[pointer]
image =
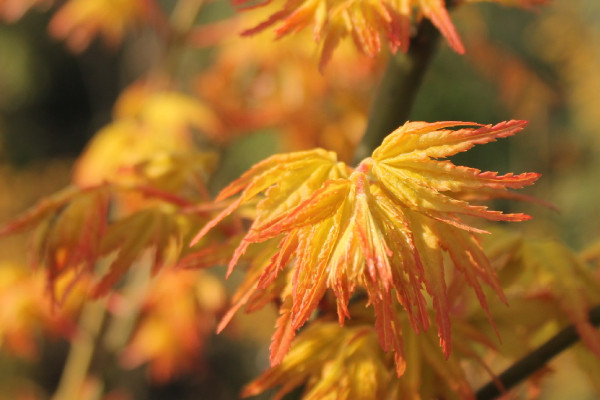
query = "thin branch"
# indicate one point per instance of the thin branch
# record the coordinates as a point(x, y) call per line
point(82, 349)
point(532, 362)
point(398, 89)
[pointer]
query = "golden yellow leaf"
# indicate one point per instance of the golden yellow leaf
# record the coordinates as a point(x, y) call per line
point(346, 362)
point(382, 227)
point(152, 135)
point(547, 271)
point(335, 362)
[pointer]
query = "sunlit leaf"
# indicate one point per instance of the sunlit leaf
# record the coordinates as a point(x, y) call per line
point(152, 138)
point(382, 227)
point(296, 175)
point(39, 212)
point(335, 362)
point(367, 22)
point(76, 230)
point(346, 362)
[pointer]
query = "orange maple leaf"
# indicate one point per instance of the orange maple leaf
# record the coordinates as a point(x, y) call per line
point(364, 21)
point(79, 21)
point(178, 314)
point(69, 228)
point(13, 10)
point(130, 237)
point(26, 311)
point(382, 227)
point(367, 22)
point(74, 229)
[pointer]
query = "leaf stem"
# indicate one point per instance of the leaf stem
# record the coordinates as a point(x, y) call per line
point(82, 349)
point(529, 364)
point(398, 89)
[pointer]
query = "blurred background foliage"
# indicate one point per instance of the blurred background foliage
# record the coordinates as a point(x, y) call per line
point(541, 66)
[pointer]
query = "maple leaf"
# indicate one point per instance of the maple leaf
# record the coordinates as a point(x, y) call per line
point(69, 228)
point(145, 167)
point(364, 21)
point(369, 23)
point(152, 134)
point(332, 360)
point(346, 362)
point(178, 315)
point(548, 273)
point(13, 10)
point(335, 116)
point(166, 112)
point(26, 311)
point(381, 227)
point(79, 21)
point(73, 231)
point(153, 228)
point(288, 177)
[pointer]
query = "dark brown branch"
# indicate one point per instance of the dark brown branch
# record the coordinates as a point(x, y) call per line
point(532, 362)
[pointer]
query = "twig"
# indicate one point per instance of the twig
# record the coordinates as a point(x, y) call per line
point(529, 364)
point(80, 355)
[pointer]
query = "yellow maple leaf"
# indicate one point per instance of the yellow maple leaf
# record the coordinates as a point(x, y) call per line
point(346, 362)
point(166, 111)
point(151, 141)
point(547, 272)
point(381, 227)
point(132, 185)
point(336, 362)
